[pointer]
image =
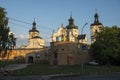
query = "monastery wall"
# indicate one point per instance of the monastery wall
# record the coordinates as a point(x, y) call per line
point(69, 53)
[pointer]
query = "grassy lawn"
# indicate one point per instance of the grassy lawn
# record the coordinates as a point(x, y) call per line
point(46, 69)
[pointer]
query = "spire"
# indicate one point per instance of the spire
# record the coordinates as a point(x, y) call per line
point(96, 18)
point(71, 20)
point(34, 25)
point(96, 21)
point(71, 24)
point(62, 25)
point(71, 15)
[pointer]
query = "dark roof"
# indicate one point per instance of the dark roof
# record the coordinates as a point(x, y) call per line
point(34, 23)
point(33, 30)
point(93, 24)
point(96, 21)
point(82, 36)
point(71, 27)
point(37, 37)
point(71, 24)
point(34, 27)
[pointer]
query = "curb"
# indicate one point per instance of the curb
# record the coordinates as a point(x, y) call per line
point(71, 75)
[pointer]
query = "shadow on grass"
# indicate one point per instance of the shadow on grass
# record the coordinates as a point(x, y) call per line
point(46, 69)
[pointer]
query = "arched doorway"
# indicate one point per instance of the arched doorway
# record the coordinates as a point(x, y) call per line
point(30, 59)
point(70, 60)
point(55, 58)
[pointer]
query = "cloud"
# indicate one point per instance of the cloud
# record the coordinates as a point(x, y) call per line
point(23, 37)
point(47, 39)
point(22, 40)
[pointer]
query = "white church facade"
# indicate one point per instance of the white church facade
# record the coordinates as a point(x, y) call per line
point(35, 41)
point(69, 33)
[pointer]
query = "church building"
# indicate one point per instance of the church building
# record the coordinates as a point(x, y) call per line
point(65, 48)
point(69, 33)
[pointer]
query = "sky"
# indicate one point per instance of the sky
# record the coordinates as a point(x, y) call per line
point(50, 14)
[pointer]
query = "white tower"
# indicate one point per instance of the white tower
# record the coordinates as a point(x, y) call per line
point(35, 41)
point(72, 30)
point(95, 28)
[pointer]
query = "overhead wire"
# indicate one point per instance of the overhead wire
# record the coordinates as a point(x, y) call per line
point(19, 20)
point(27, 27)
point(18, 24)
point(44, 33)
point(28, 23)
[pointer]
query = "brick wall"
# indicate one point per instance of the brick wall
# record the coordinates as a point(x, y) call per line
point(68, 53)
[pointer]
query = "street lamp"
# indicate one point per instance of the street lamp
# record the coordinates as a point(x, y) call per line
point(82, 46)
point(83, 27)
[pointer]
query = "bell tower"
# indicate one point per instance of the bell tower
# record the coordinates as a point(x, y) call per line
point(72, 30)
point(95, 27)
point(33, 32)
point(35, 41)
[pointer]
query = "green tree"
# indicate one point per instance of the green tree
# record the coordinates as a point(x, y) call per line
point(7, 39)
point(106, 48)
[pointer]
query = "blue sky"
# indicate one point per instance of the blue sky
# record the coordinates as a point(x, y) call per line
point(50, 14)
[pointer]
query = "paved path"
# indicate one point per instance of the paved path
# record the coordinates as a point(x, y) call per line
point(15, 66)
point(12, 67)
point(112, 76)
